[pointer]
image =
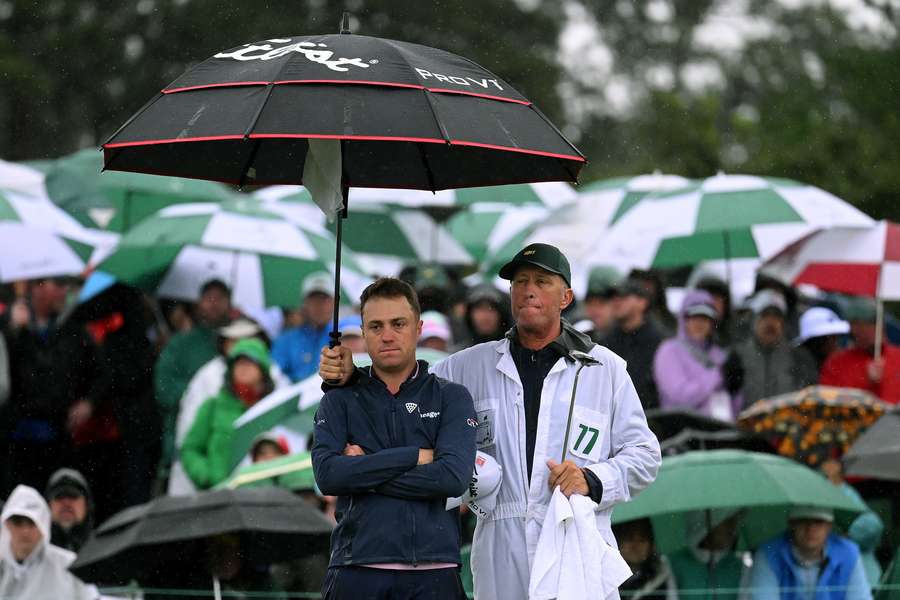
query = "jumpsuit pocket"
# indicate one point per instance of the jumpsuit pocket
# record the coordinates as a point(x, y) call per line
point(486, 429)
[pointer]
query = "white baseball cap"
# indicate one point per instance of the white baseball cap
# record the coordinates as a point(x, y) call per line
point(813, 513)
point(483, 487)
point(434, 324)
point(319, 282)
point(819, 321)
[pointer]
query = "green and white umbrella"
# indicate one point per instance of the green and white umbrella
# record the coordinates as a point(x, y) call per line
point(262, 256)
point(41, 240)
point(383, 237)
point(119, 200)
point(720, 218)
point(491, 230)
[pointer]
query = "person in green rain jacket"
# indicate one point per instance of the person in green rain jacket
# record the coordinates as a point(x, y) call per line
point(206, 452)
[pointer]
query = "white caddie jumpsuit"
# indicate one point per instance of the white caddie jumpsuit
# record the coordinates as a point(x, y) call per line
point(609, 436)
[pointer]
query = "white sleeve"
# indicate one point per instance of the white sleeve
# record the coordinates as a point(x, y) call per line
point(635, 455)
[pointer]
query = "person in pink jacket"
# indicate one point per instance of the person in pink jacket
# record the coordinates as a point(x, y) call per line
point(691, 371)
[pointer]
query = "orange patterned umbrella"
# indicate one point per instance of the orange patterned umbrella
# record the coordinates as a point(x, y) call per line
point(814, 424)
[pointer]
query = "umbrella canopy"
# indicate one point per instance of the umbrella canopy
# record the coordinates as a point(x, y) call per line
point(492, 232)
point(408, 116)
point(143, 541)
point(876, 453)
point(763, 485)
point(382, 237)
point(694, 439)
point(294, 472)
point(861, 261)
point(666, 423)
point(118, 201)
point(814, 424)
point(722, 217)
point(20, 178)
point(262, 256)
point(47, 241)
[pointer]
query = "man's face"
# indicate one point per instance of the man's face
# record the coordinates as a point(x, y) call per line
point(391, 330)
point(485, 318)
point(635, 548)
point(246, 372)
point(698, 327)
point(68, 510)
point(810, 535)
point(24, 536)
point(213, 307)
point(863, 333)
point(628, 307)
point(538, 298)
point(319, 308)
point(49, 295)
point(769, 329)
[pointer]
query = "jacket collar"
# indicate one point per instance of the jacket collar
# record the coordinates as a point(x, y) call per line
point(568, 339)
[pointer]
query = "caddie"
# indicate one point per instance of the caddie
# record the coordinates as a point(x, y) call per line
point(522, 386)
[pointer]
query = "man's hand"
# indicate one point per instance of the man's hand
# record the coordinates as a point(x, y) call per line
point(569, 477)
point(19, 314)
point(336, 365)
point(353, 450)
point(426, 456)
point(875, 370)
point(79, 413)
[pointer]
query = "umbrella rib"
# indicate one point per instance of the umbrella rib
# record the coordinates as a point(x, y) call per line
point(133, 117)
point(558, 132)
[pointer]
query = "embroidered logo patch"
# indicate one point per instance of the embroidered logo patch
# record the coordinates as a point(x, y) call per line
point(411, 406)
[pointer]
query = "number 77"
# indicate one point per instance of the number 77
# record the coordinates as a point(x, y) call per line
point(590, 445)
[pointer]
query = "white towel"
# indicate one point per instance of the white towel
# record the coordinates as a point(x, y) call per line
point(572, 561)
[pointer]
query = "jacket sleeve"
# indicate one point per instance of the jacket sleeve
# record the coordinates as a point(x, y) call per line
point(195, 450)
point(339, 475)
point(281, 354)
point(635, 455)
point(679, 386)
point(454, 454)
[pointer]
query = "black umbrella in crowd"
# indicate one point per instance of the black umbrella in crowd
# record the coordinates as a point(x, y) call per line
point(666, 423)
point(176, 534)
point(338, 111)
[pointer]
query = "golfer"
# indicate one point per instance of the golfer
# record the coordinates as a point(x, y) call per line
point(394, 444)
point(522, 386)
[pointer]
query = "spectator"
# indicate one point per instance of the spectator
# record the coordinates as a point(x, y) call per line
point(56, 380)
point(857, 367)
point(658, 309)
point(487, 315)
point(435, 331)
point(30, 566)
point(710, 562)
point(635, 338)
point(691, 371)
point(297, 349)
point(652, 578)
point(71, 509)
point(183, 356)
point(820, 328)
point(721, 295)
point(206, 453)
point(268, 446)
point(351, 334)
point(433, 285)
point(598, 302)
point(771, 365)
point(808, 561)
point(866, 529)
point(206, 383)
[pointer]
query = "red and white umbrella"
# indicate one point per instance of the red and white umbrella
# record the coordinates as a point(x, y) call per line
point(850, 260)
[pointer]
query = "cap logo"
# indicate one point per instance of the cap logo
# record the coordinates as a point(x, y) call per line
point(528, 253)
point(411, 406)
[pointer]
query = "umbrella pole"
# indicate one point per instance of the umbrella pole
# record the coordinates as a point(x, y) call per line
point(879, 327)
point(217, 588)
point(335, 334)
point(726, 247)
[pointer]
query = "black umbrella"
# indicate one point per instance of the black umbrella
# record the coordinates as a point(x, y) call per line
point(396, 114)
point(692, 439)
point(142, 542)
point(876, 453)
point(666, 423)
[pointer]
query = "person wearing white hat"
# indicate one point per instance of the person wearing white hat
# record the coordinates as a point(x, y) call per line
point(820, 329)
point(808, 562)
point(30, 566)
point(435, 331)
point(297, 349)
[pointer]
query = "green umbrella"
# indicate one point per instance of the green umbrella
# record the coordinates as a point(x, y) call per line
point(119, 200)
point(765, 486)
point(293, 471)
point(721, 217)
point(492, 231)
point(260, 254)
point(383, 237)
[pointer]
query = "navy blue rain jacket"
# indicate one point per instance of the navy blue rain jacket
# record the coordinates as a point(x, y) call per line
point(389, 509)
